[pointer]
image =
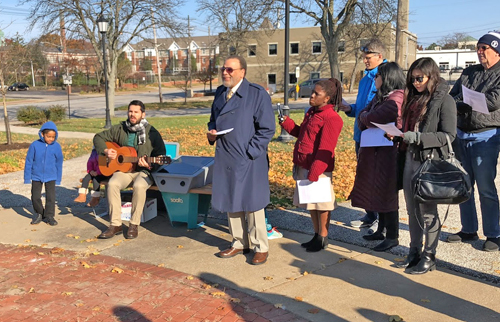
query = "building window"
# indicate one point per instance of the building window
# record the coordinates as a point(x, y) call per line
point(204, 51)
point(273, 49)
point(252, 50)
point(232, 50)
point(469, 63)
point(203, 60)
point(271, 79)
point(341, 46)
point(314, 75)
point(294, 48)
point(292, 78)
point(316, 47)
point(444, 65)
point(139, 54)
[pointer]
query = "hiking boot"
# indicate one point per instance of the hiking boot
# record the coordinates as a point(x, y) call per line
point(94, 201)
point(462, 237)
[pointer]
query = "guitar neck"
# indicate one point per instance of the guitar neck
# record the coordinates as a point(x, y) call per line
point(129, 159)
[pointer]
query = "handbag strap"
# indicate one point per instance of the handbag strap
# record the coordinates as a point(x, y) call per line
point(451, 153)
point(437, 218)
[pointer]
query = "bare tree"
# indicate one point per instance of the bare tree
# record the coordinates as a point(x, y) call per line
point(6, 77)
point(235, 18)
point(334, 20)
point(128, 19)
point(454, 40)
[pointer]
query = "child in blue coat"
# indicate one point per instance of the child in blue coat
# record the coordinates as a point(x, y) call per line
point(44, 166)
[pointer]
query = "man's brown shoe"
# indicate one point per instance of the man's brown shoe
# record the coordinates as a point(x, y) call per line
point(231, 252)
point(132, 231)
point(259, 258)
point(110, 232)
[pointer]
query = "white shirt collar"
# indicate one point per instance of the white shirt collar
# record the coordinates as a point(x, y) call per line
point(235, 87)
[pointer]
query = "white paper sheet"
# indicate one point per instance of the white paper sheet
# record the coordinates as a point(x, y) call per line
point(224, 131)
point(389, 128)
point(475, 99)
point(314, 192)
point(374, 137)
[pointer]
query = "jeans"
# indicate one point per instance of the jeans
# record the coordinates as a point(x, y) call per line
point(479, 158)
point(370, 216)
point(50, 198)
point(423, 219)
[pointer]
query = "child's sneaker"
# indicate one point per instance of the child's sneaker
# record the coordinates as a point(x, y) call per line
point(37, 219)
point(52, 222)
point(274, 234)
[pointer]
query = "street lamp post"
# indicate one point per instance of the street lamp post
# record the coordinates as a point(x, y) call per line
point(102, 24)
point(284, 136)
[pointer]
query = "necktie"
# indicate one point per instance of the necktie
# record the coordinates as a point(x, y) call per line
point(229, 95)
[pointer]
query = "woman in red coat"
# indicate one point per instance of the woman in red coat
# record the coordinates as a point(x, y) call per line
point(314, 153)
point(375, 185)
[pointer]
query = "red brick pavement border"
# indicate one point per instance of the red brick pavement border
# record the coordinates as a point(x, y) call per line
point(41, 284)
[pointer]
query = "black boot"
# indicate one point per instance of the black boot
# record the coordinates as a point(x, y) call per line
point(412, 259)
point(305, 245)
point(318, 244)
point(386, 245)
point(427, 263)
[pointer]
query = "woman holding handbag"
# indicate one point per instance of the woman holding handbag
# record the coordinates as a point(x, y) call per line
point(429, 113)
point(375, 185)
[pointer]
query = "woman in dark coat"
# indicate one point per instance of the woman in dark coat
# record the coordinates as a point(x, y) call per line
point(429, 113)
point(375, 185)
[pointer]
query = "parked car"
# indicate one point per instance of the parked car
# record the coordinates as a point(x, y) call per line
point(306, 88)
point(458, 70)
point(19, 87)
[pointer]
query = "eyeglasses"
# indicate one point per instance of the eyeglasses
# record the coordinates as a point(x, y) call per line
point(419, 79)
point(366, 50)
point(229, 70)
point(483, 48)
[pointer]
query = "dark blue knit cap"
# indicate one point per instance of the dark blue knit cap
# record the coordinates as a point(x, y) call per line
point(492, 39)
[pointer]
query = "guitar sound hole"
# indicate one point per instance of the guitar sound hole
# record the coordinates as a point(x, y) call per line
point(183, 183)
point(120, 159)
point(162, 182)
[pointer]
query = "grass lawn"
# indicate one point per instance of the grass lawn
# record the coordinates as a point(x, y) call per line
point(190, 132)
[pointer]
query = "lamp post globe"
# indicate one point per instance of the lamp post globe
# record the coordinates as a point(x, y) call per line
point(102, 25)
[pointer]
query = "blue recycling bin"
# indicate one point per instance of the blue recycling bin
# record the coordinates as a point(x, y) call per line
point(176, 180)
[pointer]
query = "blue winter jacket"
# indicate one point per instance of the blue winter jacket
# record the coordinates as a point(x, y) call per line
point(366, 92)
point(44, 161)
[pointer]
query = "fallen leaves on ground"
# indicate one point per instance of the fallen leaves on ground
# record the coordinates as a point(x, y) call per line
point(268, 278)
point(117, 270)
point(56, 250)
point(218, 294)
point(395, 318)
point(313, 311)
point(235, 300)
point(299, 299)
point(32, 290)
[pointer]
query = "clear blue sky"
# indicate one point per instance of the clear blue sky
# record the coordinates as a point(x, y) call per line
point(430, 20)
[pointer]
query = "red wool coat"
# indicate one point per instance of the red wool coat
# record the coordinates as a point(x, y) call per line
point(375, 185)
point(317, 138)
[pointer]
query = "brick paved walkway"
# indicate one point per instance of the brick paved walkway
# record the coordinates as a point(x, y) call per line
point(41, 284)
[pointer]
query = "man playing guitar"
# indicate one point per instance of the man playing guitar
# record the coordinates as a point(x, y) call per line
point(139, 138)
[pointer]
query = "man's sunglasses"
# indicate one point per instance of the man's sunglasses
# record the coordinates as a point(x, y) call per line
point(229, 70)
point(483, 48)
point(365, 50)
point(419, 79)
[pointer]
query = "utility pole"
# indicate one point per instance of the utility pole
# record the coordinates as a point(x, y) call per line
point(189, 54)
point(158, 67)
point(401, 30)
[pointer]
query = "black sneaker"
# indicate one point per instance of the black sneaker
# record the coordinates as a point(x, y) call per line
point(52, 222)
point(37, 219)
point(491, 244)
point(462, 237)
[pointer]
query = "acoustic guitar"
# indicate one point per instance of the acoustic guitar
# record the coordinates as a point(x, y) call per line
point(126, 160)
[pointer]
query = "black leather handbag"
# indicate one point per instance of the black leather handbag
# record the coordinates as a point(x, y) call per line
point(442, 181)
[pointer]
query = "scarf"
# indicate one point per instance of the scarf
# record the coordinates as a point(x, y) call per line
point(140, 129)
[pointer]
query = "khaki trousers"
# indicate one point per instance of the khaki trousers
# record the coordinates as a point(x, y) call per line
point(249, 225)
point(120, 181)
